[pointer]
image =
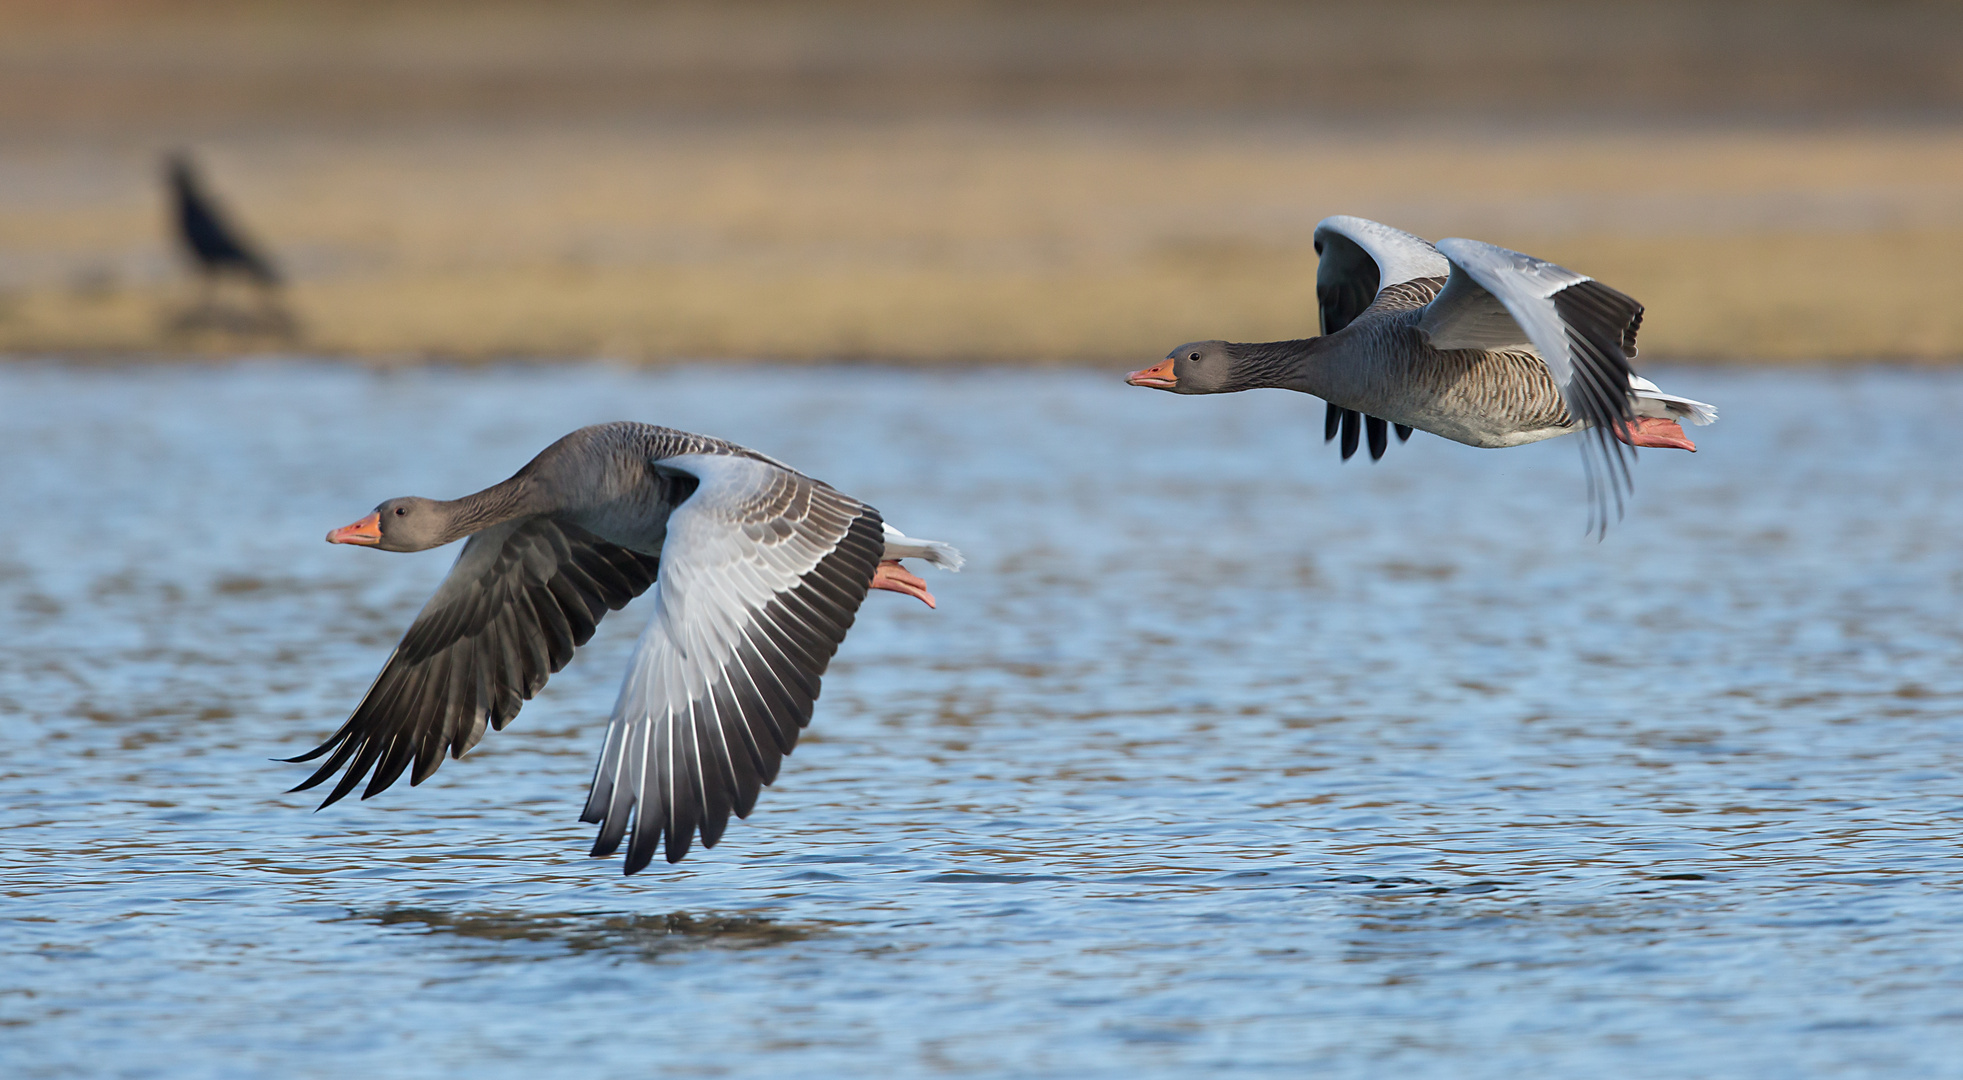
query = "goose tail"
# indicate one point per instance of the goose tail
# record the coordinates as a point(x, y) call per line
point(935, 553)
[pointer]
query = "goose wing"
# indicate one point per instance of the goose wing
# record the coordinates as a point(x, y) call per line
point(1359, 258)
point(762, 573)
point(517, 602)
point(1583, 330)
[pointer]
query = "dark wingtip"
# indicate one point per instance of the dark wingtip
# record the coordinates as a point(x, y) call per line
point(677, 847)
point(309, 782)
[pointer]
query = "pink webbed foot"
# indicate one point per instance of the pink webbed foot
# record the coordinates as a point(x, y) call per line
point(1655, 431)
point(893, 577)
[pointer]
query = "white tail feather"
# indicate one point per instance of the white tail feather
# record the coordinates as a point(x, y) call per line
point(1669, 406)
point(937, 554)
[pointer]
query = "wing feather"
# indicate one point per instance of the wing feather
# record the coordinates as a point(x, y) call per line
point(517, 602)
point(763, 574)
point(1584, 331)
point(1360, 258)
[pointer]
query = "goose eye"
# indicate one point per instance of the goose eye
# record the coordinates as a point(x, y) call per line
point(1195, 356)
point(401, 510)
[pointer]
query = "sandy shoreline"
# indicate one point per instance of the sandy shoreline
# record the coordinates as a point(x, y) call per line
point(996, 240)
point(540, 194)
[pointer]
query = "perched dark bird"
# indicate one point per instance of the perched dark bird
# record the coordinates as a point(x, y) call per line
point(757, 572)
point(215, 244)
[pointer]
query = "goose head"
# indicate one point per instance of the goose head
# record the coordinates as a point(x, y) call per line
point(405, 524)
point(1197, 367)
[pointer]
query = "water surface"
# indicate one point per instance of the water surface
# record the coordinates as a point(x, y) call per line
point(1222, 758)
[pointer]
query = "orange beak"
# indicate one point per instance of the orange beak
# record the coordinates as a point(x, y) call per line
point(893, 577)
point(1159, 376)
point(367, 532)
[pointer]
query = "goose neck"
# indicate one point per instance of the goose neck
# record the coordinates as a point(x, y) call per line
point(514, 498)
point(1287, 365)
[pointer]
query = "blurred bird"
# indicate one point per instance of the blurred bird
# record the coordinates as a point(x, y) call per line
point(214, 244)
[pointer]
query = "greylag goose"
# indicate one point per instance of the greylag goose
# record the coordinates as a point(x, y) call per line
point(757, 571)
point(1479, 344)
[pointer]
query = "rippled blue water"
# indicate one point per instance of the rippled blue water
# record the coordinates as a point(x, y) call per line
point(1223, 758)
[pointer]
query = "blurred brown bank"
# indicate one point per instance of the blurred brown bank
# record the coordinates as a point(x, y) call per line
point(951, 181)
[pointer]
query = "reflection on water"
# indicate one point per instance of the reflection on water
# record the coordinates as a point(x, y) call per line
point(1223, 757)
point(648, 937)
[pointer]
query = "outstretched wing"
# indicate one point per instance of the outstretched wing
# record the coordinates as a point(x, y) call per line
point(520, 598)
point(1358, 259)
point(1583, 330)
point(762, 573)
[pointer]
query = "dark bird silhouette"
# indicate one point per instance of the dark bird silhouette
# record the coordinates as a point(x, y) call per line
point(214, 244)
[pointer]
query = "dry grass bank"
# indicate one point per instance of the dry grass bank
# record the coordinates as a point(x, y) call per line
point(944, 182)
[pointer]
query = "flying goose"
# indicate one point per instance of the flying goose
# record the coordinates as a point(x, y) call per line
point(757, 572)
point(1479, 344)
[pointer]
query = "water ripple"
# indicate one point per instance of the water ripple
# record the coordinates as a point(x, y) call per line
point(1224, 758)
